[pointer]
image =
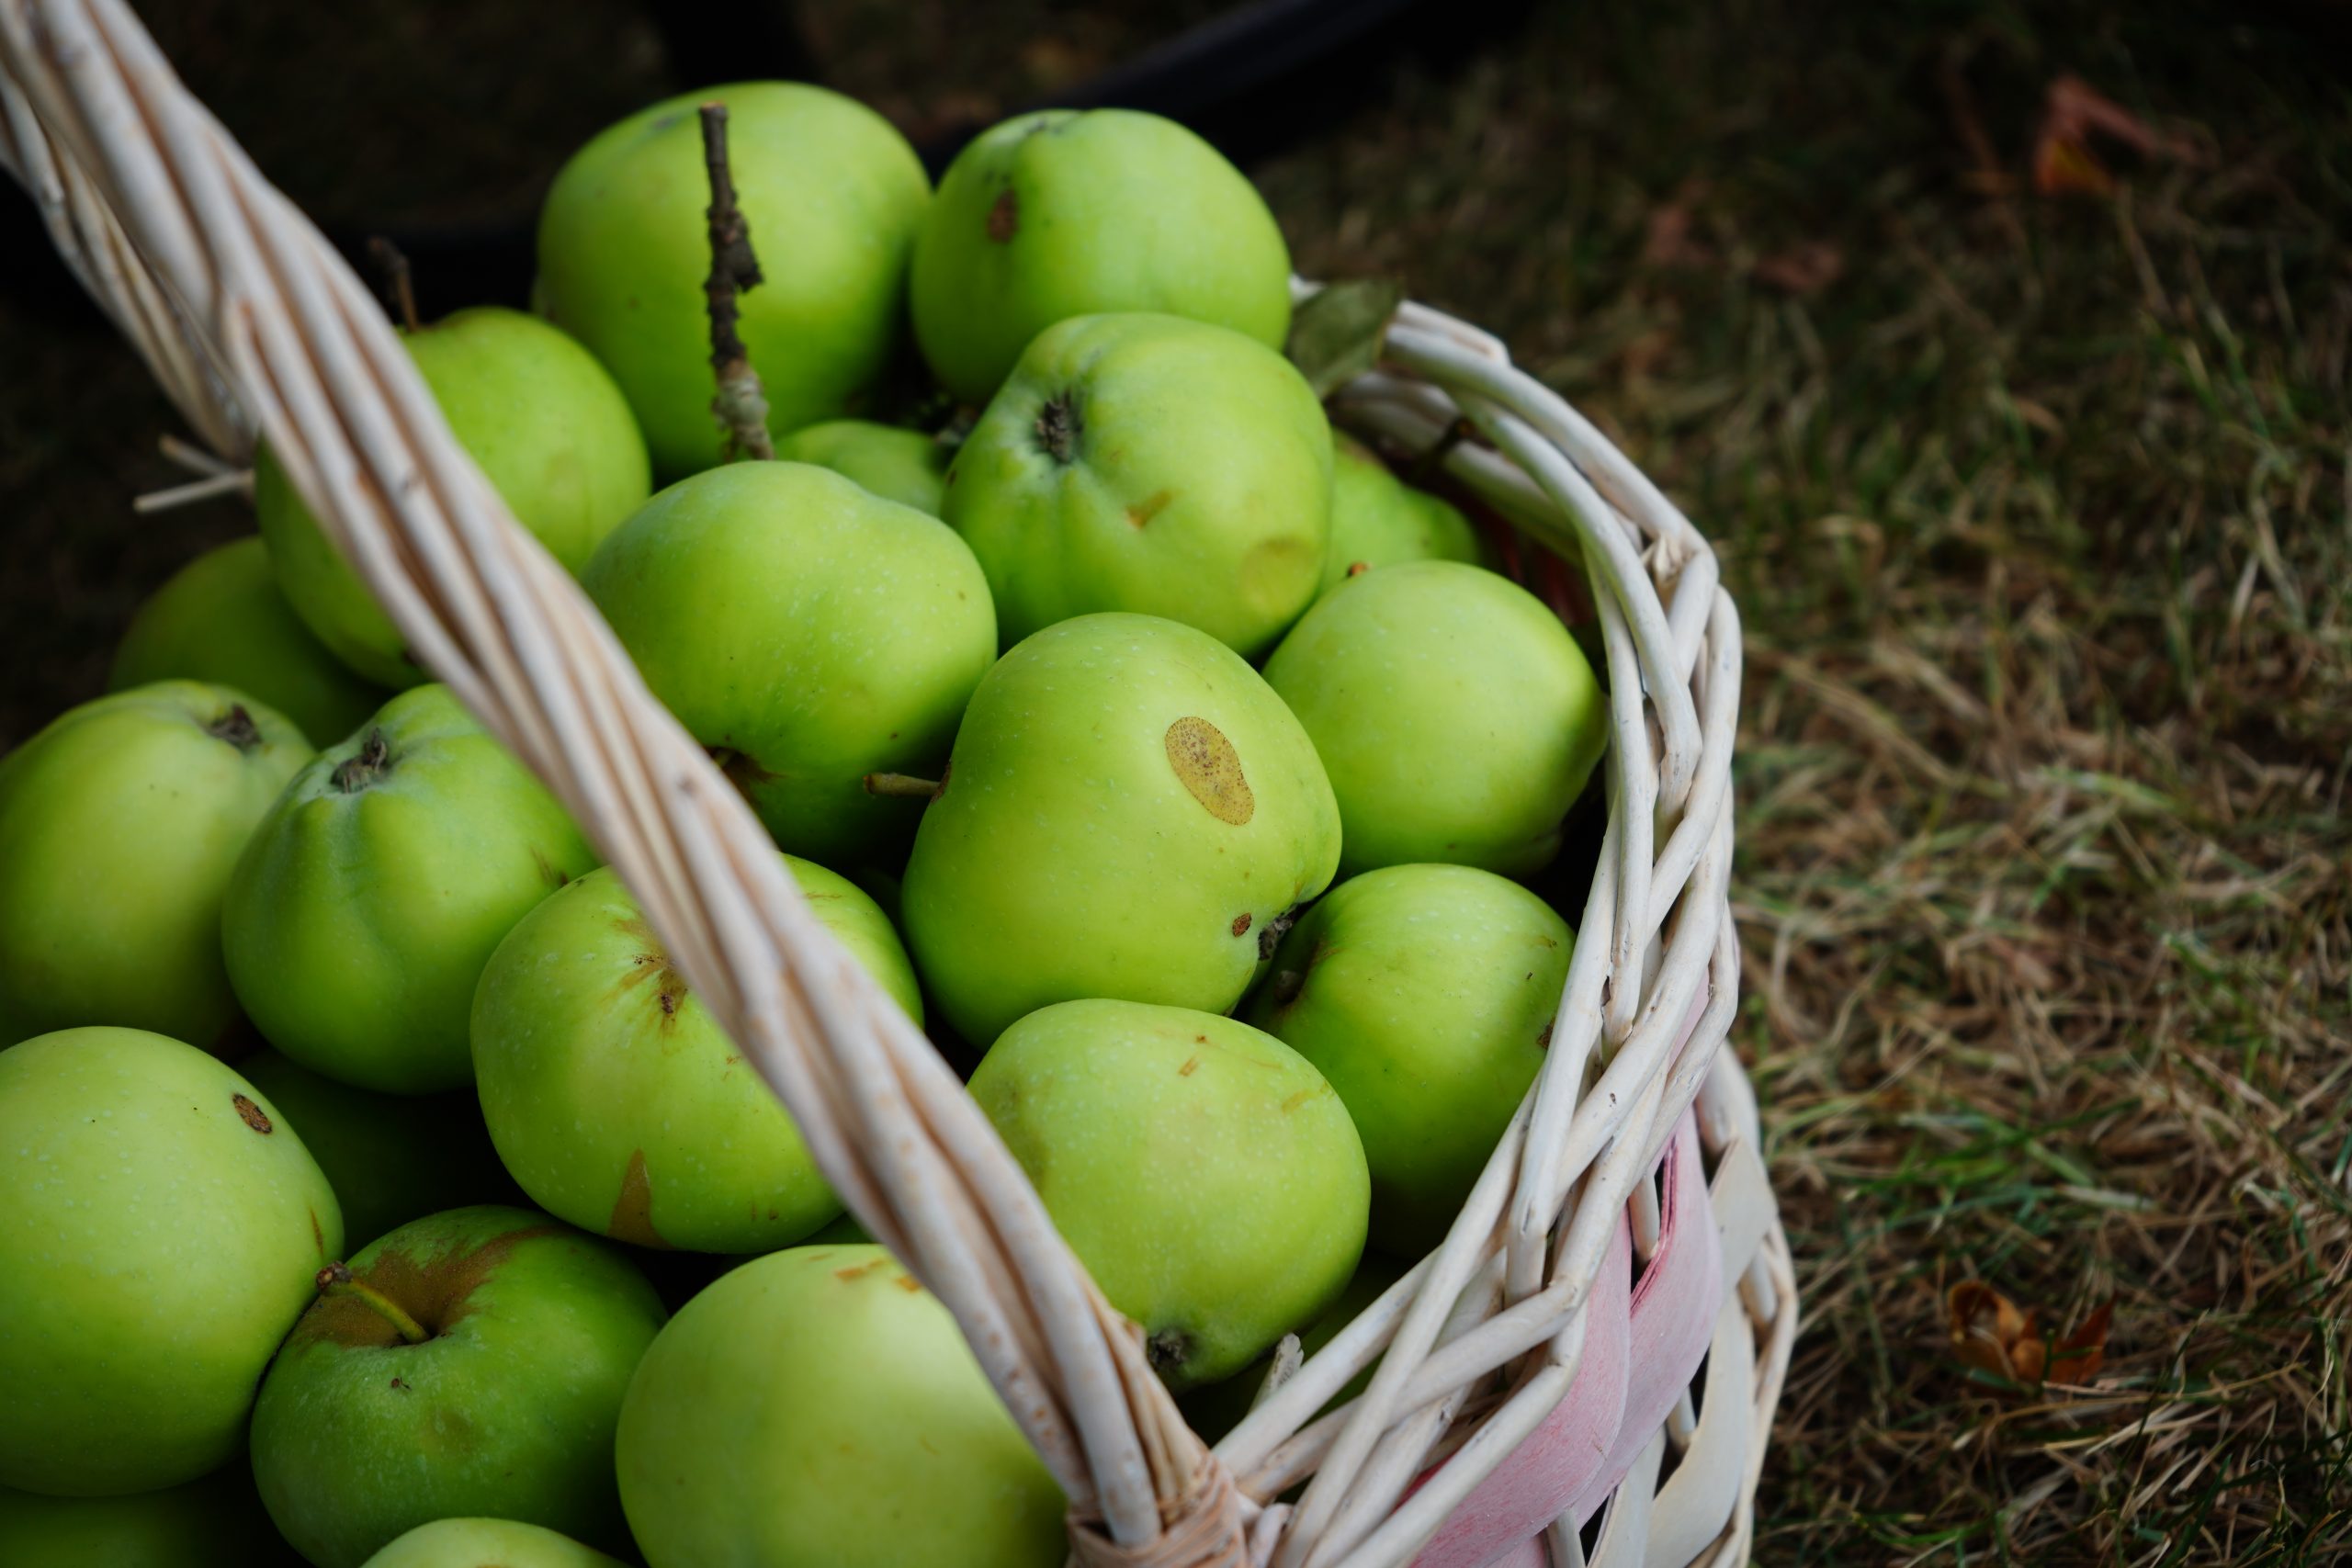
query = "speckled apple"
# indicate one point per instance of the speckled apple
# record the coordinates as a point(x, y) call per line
point(816, 1406)
point(1204, 1171)
point(159, 1228)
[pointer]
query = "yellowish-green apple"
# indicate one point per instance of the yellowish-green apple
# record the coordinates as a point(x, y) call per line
point(159, 1228)
point(817, 1408)
point(215, 1521)
point(549, 429)
point(808, 631)
point(1457, 718)
point(488, 1543)
point(362, 912)
point(468, 1364)
point(1204, 1171)
point(389, 1157)
point(1379, 520)
point(1425, 995)
point(832, 195)
point(220, 618)
point(1153, 464)
point(614, 1098)
point(1215, 1409)
point(119, 824)
point(1065, 213)
point(895, 463)
point(1128, 812)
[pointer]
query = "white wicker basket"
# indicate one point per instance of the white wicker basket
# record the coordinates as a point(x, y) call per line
point(1525, 1380)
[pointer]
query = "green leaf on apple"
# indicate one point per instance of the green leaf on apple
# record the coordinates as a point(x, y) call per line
point(1336, 335)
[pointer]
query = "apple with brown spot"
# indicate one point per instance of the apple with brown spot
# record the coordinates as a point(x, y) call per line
point(470, 1364)
point(1129, 812)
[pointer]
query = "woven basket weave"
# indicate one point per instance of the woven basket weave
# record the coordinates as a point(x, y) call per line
point(1535, 1371)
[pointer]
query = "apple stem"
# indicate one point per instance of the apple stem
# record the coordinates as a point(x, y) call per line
point(902, 787)
point(394, 266)
point(336, 1280)
point(742, 404)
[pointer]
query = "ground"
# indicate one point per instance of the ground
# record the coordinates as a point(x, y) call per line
point(2039, 515)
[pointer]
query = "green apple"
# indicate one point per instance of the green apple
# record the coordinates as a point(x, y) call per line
point(809, 633)
point(1203, 1172)
point(616, 1100)
point(832, 195)
point(159, 1227)
point(1128, 812)
point(216, 1521)
point(222, 618)
point(119, 824)
point(470, 1364)
point(1065, 213)
point(366, 903)
point(1152, 464)
point(1457, 716)
point(904, 466)
point(1379, 520)
point(548, 430)
point(1425, 995)
point(817, 1408)
point(391, 1158)
point(1215, 1409)
point(488, 1543)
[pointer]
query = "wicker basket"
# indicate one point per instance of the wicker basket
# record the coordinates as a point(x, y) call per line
point(1536, 1369)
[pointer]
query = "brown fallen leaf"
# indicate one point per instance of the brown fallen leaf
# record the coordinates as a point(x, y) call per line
point(1806, 269)
point(1666, 238)
point(2072, 111)
point(1990, 1334)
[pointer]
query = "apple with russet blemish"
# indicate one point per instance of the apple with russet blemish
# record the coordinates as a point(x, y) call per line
point(1067, 213)
point(470, 1364)
point(614, 1098)
point(1129, 811)
point(1083, 487)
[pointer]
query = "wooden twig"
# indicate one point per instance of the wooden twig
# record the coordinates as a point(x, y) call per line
point(742, 404)
point(397, 285)
point(236, 482)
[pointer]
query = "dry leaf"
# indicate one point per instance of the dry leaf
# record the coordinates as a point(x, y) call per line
point(2064, 163)
point(1666, 239)
point(1989, 1333)
point(1807, 268)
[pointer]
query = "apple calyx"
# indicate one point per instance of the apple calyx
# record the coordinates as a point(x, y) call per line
point(1168, 1350)
point(1059, 426)
point(364, 767)
point(236, 727)
point(336, 1280)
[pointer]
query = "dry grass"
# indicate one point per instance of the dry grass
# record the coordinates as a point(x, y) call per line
point(2039, 515)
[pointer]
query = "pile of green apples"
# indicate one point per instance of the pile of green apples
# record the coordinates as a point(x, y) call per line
point(373, 1189)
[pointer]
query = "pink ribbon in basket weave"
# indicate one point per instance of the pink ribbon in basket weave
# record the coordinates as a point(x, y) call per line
point(1636, 1363)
